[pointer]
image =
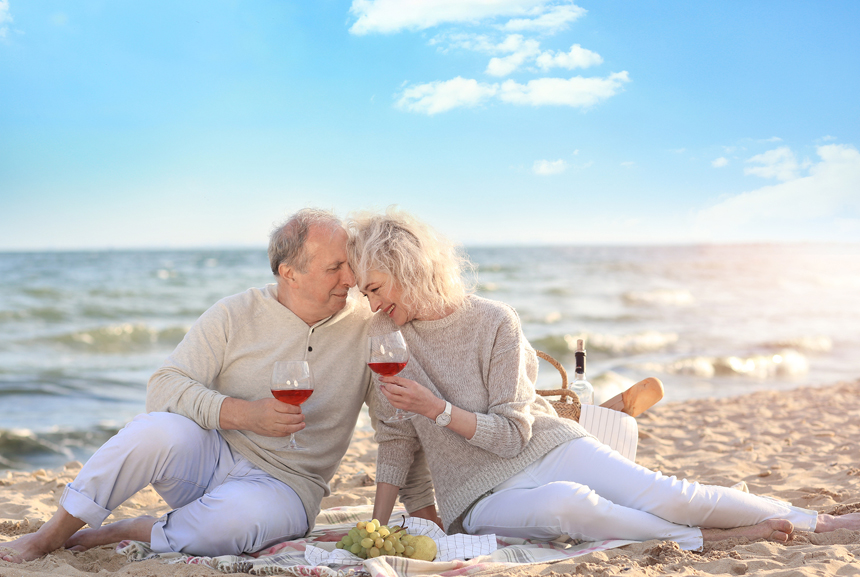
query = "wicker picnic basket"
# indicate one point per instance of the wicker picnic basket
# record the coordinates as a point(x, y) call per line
point(567, 405)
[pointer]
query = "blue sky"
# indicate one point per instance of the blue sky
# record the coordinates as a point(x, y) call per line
point(173, 124)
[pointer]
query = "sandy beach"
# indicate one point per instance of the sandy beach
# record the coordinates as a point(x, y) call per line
point(800, 446)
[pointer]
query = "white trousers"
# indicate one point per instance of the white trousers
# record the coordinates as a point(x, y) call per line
point(585, 490)
point(222, 504)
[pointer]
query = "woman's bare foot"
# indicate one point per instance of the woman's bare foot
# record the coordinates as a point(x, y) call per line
point(137, 529)
point(772, 530)
point(828, 523)
point(638, 398)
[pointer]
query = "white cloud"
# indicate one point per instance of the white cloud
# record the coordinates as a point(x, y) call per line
point(387, 16)
point(5, 16)
point(554, 19)
point(827, 138)
point(464, 40)
point(720, 162)
point(521, 51)
point(577, 91)
point(549, 167)
point(772, 139)
point(441, 96)
point(628, 164)
point(778, 163)
point(578, 57)
point(830, 191)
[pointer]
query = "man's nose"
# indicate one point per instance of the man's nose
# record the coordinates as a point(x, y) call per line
point(349, 278)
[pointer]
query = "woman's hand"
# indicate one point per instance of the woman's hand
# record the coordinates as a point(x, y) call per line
point(411, 396)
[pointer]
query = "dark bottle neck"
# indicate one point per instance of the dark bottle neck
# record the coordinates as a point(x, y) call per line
point(580, 363)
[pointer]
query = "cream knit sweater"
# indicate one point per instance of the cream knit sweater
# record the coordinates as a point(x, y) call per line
point(478, 359)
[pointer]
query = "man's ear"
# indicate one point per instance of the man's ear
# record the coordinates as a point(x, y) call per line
point(287, 273)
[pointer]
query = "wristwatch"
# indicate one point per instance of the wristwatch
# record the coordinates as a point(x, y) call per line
point(445, 416)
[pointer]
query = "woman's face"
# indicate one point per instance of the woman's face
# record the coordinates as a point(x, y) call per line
point(384, 294)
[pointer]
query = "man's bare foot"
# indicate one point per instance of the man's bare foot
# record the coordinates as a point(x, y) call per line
point(26, 548)
point(828, 523)
point(772, 530)
point(137, 529)
point(49, 537)
point(638, 398)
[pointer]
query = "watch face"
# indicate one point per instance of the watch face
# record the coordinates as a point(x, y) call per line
point(444, 417)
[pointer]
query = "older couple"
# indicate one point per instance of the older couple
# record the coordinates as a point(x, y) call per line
point(212, 440)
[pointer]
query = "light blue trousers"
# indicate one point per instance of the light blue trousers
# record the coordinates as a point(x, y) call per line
point(585, 490)
point(222, 504)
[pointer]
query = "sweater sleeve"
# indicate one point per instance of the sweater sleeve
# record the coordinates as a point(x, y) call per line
point(182, 384)
point(506, 428)
point(416, 488)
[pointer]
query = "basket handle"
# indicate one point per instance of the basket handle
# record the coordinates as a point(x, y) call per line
point(558, 366)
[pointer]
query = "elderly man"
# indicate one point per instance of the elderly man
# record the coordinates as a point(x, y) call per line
point(212, 440)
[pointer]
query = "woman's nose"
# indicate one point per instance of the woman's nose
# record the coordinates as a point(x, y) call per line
point(375, 302)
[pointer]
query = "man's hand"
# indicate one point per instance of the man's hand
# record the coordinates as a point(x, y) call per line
point(267, 417)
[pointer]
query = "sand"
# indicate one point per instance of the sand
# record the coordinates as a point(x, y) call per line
point(801, 446)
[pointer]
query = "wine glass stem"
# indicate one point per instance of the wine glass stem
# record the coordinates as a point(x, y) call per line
point(293, 441)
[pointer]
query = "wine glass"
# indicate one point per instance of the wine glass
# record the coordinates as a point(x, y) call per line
point(388, 355)
point(292, 384)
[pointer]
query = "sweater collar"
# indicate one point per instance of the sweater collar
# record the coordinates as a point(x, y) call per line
point(445, 321)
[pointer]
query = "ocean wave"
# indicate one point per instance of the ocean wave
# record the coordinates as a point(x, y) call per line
point(21, 445)
point(121, 338)
point(656, 297)
point(785, 363)
point(49, 314)
point(813, 344)
point(42, 292)
point(613, 345)
point(26, 449)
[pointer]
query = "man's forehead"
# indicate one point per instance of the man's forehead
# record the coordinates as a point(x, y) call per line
point(328, 242)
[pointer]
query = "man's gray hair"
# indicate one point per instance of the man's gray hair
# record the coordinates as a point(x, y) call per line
point(287, 242)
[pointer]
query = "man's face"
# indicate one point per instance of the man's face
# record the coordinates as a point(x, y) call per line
point(322, 290)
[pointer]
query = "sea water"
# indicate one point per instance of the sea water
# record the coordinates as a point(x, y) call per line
point(81, 332)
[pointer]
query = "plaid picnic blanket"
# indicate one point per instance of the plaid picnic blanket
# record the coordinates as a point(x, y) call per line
point(316, 555)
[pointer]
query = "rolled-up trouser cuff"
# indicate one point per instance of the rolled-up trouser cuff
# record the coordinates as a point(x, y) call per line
point(82, 507)
point(158, 540)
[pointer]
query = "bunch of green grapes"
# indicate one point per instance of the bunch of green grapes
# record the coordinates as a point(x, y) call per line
point(370, 539)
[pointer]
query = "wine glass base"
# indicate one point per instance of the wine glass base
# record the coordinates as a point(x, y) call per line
point(296, 449)
point(397, 418)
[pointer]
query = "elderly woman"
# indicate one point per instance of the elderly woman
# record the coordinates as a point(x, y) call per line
point(501, 460)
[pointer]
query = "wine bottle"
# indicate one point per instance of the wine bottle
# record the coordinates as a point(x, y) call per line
point(580, 385)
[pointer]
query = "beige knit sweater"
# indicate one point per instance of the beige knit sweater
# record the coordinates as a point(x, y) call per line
point(230, 351)
point(478, 359)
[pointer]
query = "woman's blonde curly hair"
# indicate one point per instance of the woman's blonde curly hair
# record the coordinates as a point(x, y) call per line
point(427, 267)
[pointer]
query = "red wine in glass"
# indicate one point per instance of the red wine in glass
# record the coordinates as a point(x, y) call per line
point(292, 384)
point(388, 355)
point(296, 397)
point(386, 369)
